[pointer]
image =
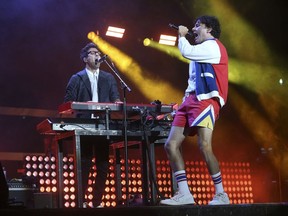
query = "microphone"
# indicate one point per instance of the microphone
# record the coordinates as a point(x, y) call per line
point(176, 27)
point(103, 58)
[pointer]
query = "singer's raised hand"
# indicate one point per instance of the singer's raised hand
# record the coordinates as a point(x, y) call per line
point(182, 31)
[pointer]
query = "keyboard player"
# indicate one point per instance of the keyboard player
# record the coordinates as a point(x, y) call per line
point(93, 84)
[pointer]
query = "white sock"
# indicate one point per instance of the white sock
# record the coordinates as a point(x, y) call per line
point(217, 179)
point(182, 183)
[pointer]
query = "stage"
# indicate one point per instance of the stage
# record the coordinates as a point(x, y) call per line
point(261, 209)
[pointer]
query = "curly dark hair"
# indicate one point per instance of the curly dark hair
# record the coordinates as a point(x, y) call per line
point(211, 22)
point(84, 50)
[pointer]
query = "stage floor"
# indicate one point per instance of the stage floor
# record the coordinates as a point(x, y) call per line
point(265, 209)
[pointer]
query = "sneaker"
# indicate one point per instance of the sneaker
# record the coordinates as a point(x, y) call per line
point(220, 199)
point(179, 199)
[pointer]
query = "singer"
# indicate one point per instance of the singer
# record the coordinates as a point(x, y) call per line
point(93, 84)
point(204, 97)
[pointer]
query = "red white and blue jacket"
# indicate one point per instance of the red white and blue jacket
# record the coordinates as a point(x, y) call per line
point(208, 69)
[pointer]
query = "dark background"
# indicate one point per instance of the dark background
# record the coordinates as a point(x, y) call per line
point(40, 42)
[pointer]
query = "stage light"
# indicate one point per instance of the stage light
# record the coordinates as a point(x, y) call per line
point(40, 158)
point(46, 159)
point(48, 189)
point(35, 173)
point(146, 42)
point(167, 40)
point(236, 177)
point(202, 186)
point(115, 32)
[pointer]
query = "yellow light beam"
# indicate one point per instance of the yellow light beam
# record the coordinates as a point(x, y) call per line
point(152, 87)
point(239, 36)
point(257, 77)
point(258, 125)
point(169, 50)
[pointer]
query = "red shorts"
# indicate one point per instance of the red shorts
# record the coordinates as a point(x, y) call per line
point(195, 113)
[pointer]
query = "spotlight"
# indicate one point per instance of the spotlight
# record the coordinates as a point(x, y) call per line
point(167, 40)
point(115, 32)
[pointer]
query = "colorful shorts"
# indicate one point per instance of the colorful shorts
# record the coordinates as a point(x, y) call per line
point(195, 113)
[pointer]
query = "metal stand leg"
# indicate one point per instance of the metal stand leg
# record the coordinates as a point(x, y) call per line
point(59, 160)
point(145, 173)
point(118, 176)
point(77, 162)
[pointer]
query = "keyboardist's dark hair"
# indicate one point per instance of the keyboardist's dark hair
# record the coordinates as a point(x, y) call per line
point(84, 50)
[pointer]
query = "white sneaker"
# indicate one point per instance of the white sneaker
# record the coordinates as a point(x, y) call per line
point(220, 199)
point(179, 199)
